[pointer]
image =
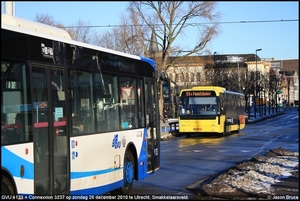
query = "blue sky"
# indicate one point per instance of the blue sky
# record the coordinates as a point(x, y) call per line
point(278, 40)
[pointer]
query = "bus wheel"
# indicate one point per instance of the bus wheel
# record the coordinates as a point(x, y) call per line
point(224, 131)
point(6, 187)
point(239, 129)
point(128, 174)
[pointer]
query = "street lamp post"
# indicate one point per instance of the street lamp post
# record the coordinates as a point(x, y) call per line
point(239, 77)
point(256, 81)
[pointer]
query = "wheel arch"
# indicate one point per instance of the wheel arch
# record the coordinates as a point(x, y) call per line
point(7, 176)
point(131, 147)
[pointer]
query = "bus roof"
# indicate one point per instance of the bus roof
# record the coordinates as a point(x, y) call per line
point(33, 26)
point(218, 89)
point(21, 25)
point(150, 61)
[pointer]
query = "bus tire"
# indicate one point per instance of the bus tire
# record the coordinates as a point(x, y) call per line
point(224, 131)
point(239, 128)
point(188, 135)
point(6, 186)
point(128, 175)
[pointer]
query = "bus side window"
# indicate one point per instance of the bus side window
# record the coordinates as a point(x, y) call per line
point(101, 117)
point(128, 100)
point(22, 128)
point(77, 127)
point(19, 126)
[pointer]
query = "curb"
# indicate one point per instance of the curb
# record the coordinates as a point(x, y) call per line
point(264, 118)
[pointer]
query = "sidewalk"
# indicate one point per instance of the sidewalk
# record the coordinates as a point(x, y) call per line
point(165, 127)
point(261, 118)
point(166, 132)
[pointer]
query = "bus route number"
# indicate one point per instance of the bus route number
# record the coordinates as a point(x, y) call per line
point(198, 93)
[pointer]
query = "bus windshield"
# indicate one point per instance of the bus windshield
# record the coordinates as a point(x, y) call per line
point(197, 105)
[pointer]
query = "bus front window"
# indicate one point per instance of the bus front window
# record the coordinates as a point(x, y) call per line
point(198, 106)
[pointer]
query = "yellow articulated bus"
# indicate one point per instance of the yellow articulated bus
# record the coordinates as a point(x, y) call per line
point(210, 109)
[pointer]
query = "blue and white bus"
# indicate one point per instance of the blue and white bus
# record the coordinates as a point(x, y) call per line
point(76, 119)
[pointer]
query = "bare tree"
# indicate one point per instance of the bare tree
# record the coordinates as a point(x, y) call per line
point(273, 86)
point(128, 37)
point(81, 31)
point(46, 19)
point(168, 19)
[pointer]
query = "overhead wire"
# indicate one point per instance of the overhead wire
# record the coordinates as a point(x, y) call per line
point(192, 24)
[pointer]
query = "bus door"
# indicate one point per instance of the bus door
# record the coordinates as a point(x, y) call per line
point(50, 131)
point(152, 123)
